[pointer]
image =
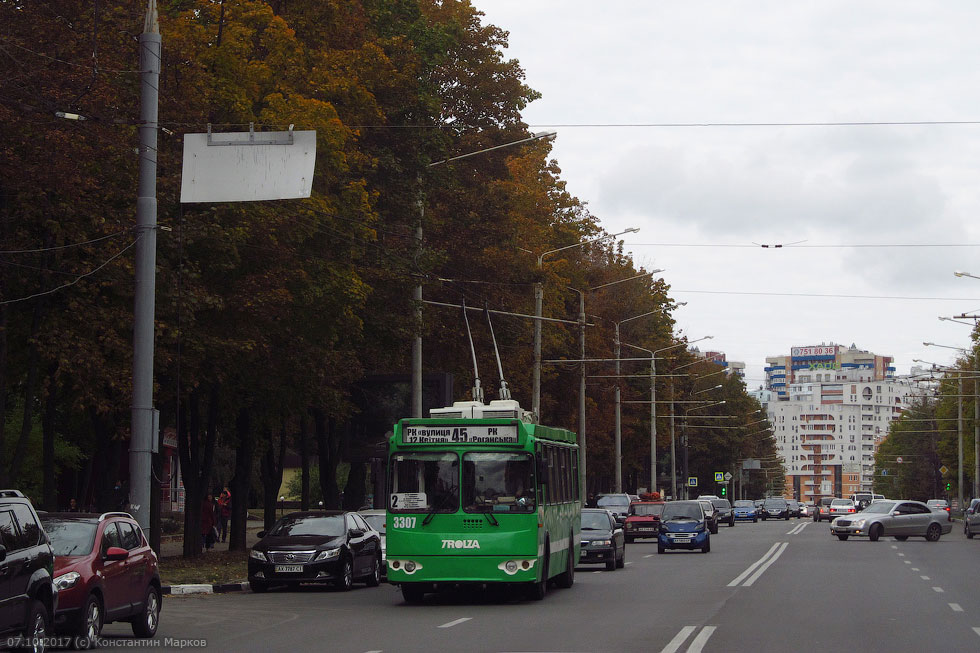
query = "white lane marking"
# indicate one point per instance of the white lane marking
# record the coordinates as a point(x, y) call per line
point(796, 529)
point(455, 622)
point(596, 572)
point(628, 563)
point(754, 577)
point(701, 639)
point(901, 555)
point(908, 562)
point(956, 607)
point(915, 569)
point(924, 577)
point(679, 638)
point(649, 555)
point(937, 590)
point(752, 567)
point(894, 547)
point(378, 651)
point(976, 630)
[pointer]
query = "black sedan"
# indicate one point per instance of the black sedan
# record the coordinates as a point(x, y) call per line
point(320, 546)
point(602, 539)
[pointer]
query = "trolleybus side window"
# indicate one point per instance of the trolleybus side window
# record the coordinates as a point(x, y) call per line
point(424, 482)
point(498, 482)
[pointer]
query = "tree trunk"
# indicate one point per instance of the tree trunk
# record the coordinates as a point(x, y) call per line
point(304, 458)
point(48, 436)
point(354, 492)
point(327, 448)
point(272, 461)
point(30, 389)
point(3, 384)
point(241, 482)
point(188, 436)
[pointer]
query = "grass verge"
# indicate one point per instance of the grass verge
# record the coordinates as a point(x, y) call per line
point(214, 567)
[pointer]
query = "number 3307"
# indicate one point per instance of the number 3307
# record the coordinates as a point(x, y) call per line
point(403, 522)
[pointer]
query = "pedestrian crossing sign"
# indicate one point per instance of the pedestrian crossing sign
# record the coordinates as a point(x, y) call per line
point(719, 476)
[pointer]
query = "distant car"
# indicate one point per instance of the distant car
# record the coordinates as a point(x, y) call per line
point(900, 519)
point(821, 510)
point(28, 599)
point(745, 511)
point(104, 571)
point(971, 519)
point(317, 546)
point(794, 508)
point(942, 505)
point(375, 517)
point(643, 520)
point(842, 507)
point(805, 510)
point(724, 510)
point(634, 497)
point(710, 515)
point(603, 541)
point(684, 525)
point(617, 504)
point(775, 508)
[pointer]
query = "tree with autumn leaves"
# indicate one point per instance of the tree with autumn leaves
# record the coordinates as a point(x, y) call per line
point(268, 314)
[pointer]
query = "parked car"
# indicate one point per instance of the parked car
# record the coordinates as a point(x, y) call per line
point(317, 546)
point(710, 515)
point(745, 511)
point(775, 508)
point(941, 505)
point(28, 599)
point(617, 504)
point(104, 571)
point(375, 518)
point(684, 525)
point(900, 519)
point(821, 510)
point(971, 519)
point(724, 511)
point(603, 541)
point(643, 520)
point(842, 507)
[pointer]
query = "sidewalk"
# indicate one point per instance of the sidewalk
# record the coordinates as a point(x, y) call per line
point(172, 546)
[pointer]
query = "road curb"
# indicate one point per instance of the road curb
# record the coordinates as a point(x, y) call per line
point(204, 588)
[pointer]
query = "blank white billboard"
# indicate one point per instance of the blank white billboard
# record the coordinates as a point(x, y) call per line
point(248, 166)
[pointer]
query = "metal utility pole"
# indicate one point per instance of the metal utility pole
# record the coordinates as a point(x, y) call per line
point(141, 444)
point(673, 448)
point(417, 296)
point(619, 421)
point(582, 442)
point(959, 428)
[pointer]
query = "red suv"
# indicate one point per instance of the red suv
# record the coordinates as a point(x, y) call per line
point(643, 519)
point(104, 570)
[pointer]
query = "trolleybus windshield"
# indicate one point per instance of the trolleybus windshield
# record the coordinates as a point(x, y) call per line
point(424, 482)
point(497, 482)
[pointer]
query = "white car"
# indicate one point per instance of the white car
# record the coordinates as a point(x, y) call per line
point(900, 519)
point(376, 520)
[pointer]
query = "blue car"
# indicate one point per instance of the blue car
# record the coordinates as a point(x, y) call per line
point(745, 511)
point(683, 525)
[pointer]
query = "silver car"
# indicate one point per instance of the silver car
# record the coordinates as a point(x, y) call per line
point(375, 518)
point(900, 519)
point(971, 519)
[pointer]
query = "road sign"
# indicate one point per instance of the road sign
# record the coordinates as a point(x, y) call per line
point(728, 476)
point(719, 476)
point(899, 460)
point(692, 481)
point(943, 470)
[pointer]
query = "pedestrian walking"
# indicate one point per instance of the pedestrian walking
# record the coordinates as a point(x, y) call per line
point(224, 512)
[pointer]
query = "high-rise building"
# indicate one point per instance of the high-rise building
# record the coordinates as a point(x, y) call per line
point(821, 363)
point(830, 407)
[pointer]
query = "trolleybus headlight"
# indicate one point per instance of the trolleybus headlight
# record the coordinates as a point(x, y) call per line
point(511, 566)
point(410, 566)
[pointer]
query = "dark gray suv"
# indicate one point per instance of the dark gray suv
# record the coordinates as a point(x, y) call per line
point(27, 596)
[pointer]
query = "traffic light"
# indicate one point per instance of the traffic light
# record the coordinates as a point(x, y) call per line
point(724, 490)
point(949, 486)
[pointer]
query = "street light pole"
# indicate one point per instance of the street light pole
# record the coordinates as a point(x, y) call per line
point(417, 293)
point(959, 424)
point(538, 312)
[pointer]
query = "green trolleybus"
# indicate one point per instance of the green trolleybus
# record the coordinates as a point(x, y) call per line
point(479, 494)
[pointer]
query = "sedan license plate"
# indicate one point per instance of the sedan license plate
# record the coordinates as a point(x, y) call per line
point(289, 569)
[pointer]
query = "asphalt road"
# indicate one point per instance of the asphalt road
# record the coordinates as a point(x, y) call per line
point(769, 586)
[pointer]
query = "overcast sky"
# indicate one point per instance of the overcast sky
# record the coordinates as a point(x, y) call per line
point(612, 73)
